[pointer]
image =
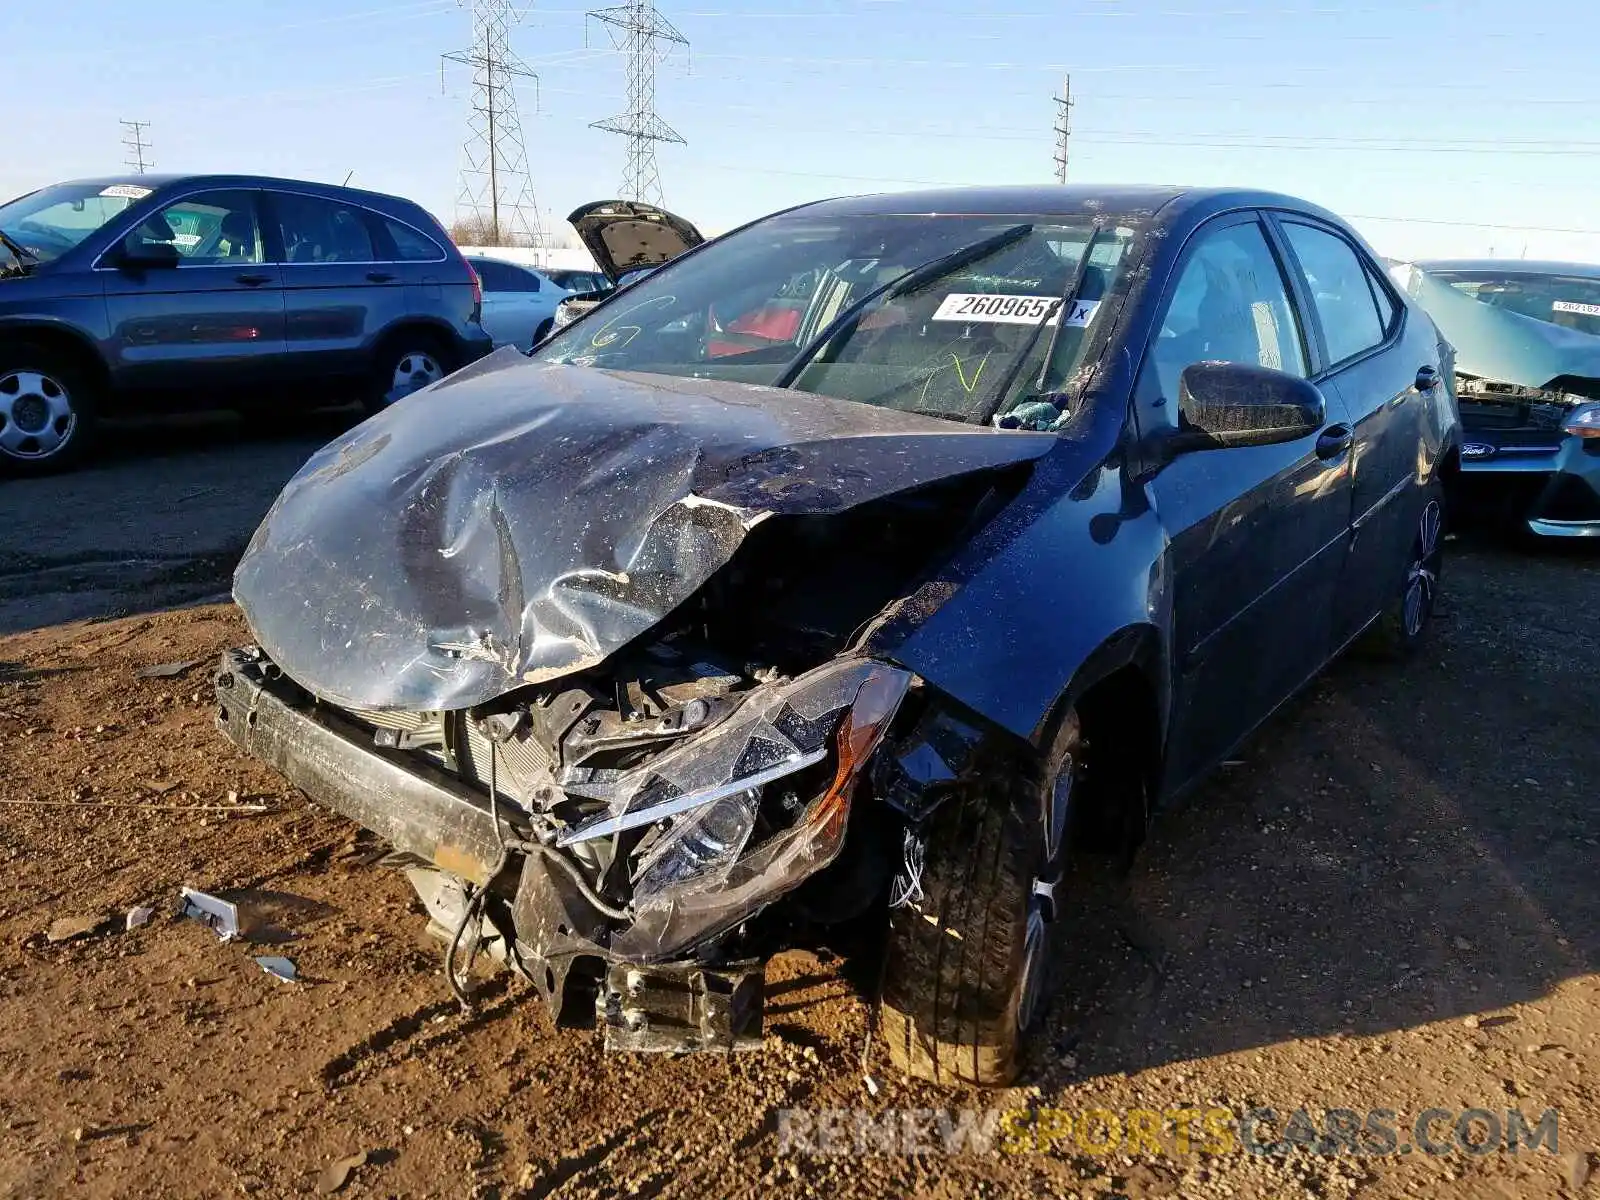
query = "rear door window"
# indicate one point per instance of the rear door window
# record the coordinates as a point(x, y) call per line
point(503, 277)
point(315, 230)
point(1340, 289)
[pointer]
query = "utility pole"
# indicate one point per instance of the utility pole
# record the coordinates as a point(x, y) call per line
point(1063, 128)
point(496, 188)
point(133, 139)
point(636, 28)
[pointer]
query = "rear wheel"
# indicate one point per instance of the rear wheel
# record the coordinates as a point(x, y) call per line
point(404, 364)
point(47, 409)
point(1404, 624)
point(968, 952)
point(542, 332)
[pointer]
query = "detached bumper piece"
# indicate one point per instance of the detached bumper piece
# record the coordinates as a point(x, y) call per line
point(678, 1009)
point(416, 808)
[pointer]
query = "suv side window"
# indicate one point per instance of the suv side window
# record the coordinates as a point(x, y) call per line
point(1340, 289)
point(208, 229)
point(410, 245)
point(1230, 304)
point(315, 230)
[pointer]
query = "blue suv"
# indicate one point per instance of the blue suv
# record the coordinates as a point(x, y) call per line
point(217, 291)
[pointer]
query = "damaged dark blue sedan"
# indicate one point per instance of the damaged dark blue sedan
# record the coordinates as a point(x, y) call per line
point(844, 578)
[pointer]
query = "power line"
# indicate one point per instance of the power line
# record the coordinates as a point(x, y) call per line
point(636, 28)
point(133, 139)
point(496, 188)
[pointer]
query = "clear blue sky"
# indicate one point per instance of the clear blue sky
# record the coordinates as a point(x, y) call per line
point(1450, 112)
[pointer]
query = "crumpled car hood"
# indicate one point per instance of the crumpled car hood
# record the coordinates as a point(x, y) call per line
point(1495, 343)
point(520, 521)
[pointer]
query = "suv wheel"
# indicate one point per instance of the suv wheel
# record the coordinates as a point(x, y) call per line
point(46, 410)
point(1404, 623)
point(968, 953)
point(404, 365)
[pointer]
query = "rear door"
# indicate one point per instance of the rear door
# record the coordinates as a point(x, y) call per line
point(338, 289)
point(213, 321)
point(1258, 533)
point(1376, 367)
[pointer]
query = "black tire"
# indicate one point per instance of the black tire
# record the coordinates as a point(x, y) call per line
point(967, 966)
point(541, 333)
point(423, 348)
point(48, 406)
point(1403, 626)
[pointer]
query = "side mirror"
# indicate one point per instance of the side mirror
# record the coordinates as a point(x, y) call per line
point(1222, 405)
point(137, 254)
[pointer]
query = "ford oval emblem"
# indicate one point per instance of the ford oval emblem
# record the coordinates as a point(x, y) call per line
point(1477, 451)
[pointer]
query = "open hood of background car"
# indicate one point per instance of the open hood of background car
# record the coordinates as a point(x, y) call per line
point(1498, 344)
point(624, 234)
point(520, 521)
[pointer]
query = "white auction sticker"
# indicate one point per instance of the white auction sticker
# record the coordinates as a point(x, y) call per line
point(999, 309)
point(1573, 306)
point(126, 191)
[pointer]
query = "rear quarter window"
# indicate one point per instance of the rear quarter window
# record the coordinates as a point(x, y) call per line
point(410, 244)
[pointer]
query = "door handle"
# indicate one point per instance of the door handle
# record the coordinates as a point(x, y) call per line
point(252, 280)
point(1334, 441)
point(381, 276)
point(1427, 378)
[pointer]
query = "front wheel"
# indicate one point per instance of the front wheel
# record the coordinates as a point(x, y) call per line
point(47, 410)
point(969, 947)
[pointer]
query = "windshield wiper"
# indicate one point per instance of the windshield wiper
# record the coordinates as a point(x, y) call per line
point(928, 271)
point(1063, 311)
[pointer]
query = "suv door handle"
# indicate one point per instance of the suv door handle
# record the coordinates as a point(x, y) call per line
point(1334, 441)
point(252, 280)
point(381, 276)
point(1427, 378)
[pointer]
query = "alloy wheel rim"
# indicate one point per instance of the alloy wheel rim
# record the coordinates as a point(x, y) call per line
point(1422, 577)
point(37, 417)
point(413, 372)
point(1032, 967)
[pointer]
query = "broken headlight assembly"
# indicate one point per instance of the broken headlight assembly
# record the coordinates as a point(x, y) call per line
point(748, 810)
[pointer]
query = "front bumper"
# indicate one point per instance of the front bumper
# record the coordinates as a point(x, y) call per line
point(399, 797)
point(1552, 490)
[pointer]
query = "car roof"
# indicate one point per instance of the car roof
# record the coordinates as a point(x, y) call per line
point(166, 182)
point(1166, 203)
point(1510, 266)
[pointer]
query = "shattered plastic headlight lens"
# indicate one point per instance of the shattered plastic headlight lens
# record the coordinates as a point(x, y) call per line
point(702, 847)
point(862, 699)
point(777, 731)
point(1583, 421)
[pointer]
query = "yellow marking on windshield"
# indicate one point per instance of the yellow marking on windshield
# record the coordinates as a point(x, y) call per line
point(962, 375)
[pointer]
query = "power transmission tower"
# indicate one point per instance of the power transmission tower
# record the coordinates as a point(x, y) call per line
point(636, 28)
point(133, 139)
point(1063, 128)
point(496, 188)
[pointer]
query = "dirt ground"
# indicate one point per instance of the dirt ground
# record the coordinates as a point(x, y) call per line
point(1391, 901)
